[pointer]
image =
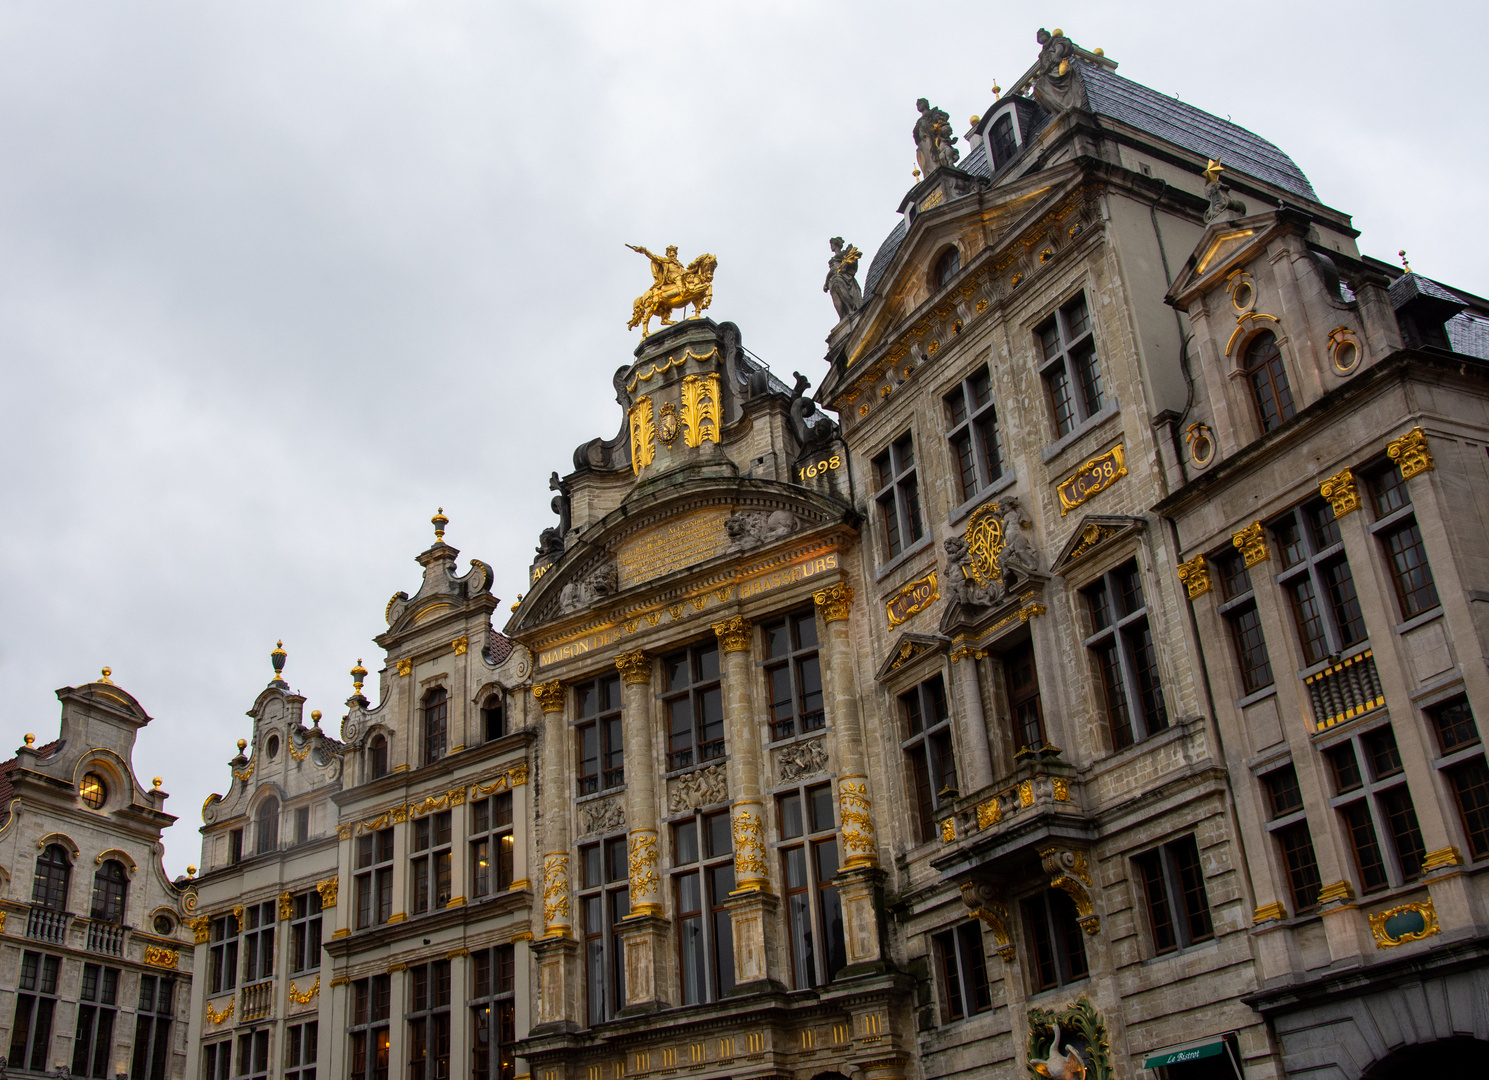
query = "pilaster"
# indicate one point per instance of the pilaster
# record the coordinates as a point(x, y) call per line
point(641, 786)
point(751, 870)
point(855, 809)
point(643, 941)
point(975, 750)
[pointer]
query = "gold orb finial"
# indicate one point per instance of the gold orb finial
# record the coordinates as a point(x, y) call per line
point(156, 782)
point(1404, 263)
point(315, 716)
point(29, 738)
point(191, 871)
point(1099, 51)
point(359, 673)
point(242, 745)
point(997, 90)
point(915, 173)
point(1059, 32)
point(439, 521)
point(975, 120)
point(104, 676)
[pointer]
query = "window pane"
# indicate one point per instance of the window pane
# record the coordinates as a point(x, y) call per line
point(1089, 373)
point(1282, 791)
point(1470, 784)
point(1414, 585)
point(1061, 405)
point(1251, 650)
point(1341, 585)
point(1150, 866)
point(1310, 620)
point(1401, 819)
point(1194, 901)
point(1454, 724)
point(956, 406)
point(1117, 712)
point(1302, 866)
point(1367, 850)
point(1388, 491)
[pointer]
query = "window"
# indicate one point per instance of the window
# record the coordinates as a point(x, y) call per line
point(1289, 827)
point(258, 941)
point(964, 983)
point(152, 1029)
point(110, 888)
point(601, 734)
point(235, 847)
point(495, 1013)
point(795, 676)
point(947, 266)
point(1022, 683)
point(493, 719)
point(1373, 801)
point(928, 751)
point(302, 824)
point(217, 1060)
point(301, 1049)
point(1071, 373)
point(93, 791)
point(253, 1054)
point(972, 431)
point(695, 707)
point(1238, 608)
point(703, 853)
point(1055, 939)
point(222, 953)
point(1396, 529)
point(429, 1021)
point(605, 900)
point(1174, 888)
point(94, 1038)
point(1465, 770)
point(371, 999)
point(1318, 582)
point(377, 754)
point(305, 932)
point(814, 913)
point(1004, 142)
point(267, 822)
point(430, 865)
point(53, 871)
point(491, 845)
point(897, 495)
point(36, 1000)
point(436, 719)
point(1123, 647)
point(374, 879)
point(1268, 375)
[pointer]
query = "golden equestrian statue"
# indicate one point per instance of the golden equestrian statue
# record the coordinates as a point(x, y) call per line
point(673, 286)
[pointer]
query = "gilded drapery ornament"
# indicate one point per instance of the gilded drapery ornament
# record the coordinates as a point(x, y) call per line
point(673, 286)
point(286, 906)
point(634, 667)
point(835, 601)
point(734, 634)
point(550, 696)
point(643, 434)
point(1195, 576)
point(644, 881)
point(855, 812)
point(1411, 453)
point(1342, 493)
point(1251, 542)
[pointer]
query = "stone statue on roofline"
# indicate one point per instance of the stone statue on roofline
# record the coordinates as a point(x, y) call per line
point(1055, 86)
point(935, 145)
point(842, 277)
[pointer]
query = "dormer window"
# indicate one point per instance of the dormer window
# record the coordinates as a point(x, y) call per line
point(1002, 140)
point(493, 720)
point(377, 755)
point(1264, 367)
point(947, 266)
point(267, 821)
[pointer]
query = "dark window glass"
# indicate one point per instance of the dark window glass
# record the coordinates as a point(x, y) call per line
point(110, 888)
point(436, 720)
point(494, 1015)
point(371, 1011)
point(1055, 940)
point(379, 753)
point(793, 672)
point(1174, 886)
point(1071, 372)
point(491, 845)
point(429, 862)
point(694, 707)
point(1302, 866)
point(1318, 582)
point(1470, 786)
point(1454, 725)
point(927, 747)
point(600, 734)
point(1368, 859)
point(301, 1050)
point(258, 941)
point(152, 1030)
point(603, 901)
point(964, 983)
point(373, 881)
point(493, 719)
point(1004, 142)
point(1415, 589)
point(53, 871)
point(94, 1035)
point(1268, 375)
point(947, 266)
point(898, 496)
point(972, 433)
point(814, 914)
point(266, 821)
point(1123, 649)
point(1022, 682)
point(222, 953)
point(702, 883)
point(1283, 796)
point(429, 1021)
point(305, 933)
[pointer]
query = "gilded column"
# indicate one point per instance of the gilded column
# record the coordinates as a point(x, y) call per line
point(641, 785)
point(748, 817)
point(854, 807)
point(558, 919)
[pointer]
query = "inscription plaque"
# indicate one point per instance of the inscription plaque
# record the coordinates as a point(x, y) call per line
point(680, 543)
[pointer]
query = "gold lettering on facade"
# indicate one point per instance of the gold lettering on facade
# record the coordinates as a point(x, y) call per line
point(1094, 476)
point(684, 542)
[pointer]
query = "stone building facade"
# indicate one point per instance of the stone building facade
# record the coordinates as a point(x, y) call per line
point(363, 901)
point(95, 962)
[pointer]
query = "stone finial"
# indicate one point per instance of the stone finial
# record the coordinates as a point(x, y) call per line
point(104, 676)
point(30, 739)
point(156, 782)
point(191, 871)
point(439, 521)
point(277, 658)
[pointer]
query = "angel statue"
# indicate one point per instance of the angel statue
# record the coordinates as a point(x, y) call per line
point(842, 279)
point(673, 285)
point(935, 145)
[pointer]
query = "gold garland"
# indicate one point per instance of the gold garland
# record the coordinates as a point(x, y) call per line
point(303, 754)
point(214, 1017)
point(304, 997)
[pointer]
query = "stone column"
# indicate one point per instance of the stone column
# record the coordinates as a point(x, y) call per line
point(641, 785)
point(522, 816)
point(460, 1034)
point(459, 831)
point(979, 759)
point(558, 919)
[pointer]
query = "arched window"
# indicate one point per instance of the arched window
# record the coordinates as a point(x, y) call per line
point(53, 868)
point(377, 755)
point(268, 825)
point(110, 887)
point(1274, 398)
point(1004, 143)
point(436, 720)
point(493, 721)
point(947, 266)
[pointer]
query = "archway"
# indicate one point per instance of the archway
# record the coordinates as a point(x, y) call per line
point(1463, 1056)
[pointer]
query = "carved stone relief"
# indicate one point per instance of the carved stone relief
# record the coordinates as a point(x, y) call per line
point(754, 528)
point(602, 815)
point(588, 590)
point(801, 760)
point(697, 789)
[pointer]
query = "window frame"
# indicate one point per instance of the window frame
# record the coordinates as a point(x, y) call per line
point(1024, 702)
point(1372, 792)
point(1285, 824)
point(1161, 873)
point(1121, 637)
point(370, 1027)
point(493, 1005)
point(701, 688)
point(1252, 365)
point(896, 498)
point(222, 953)
point(1463, 758)
point(305, 932)
point(152, 1030)
point(430, 1007)
point(39, 999)
point(256, 937)
point(98, 1012)
point(1052, 910)
point(610, 896)
point(377, 752)
point(712, 867)
point(977, 430)
point(266, 826)
point(928, 749)
point(301, 1050)
point(110, 893)
point(492, 842)
point(52, 881)
point(431, 862)
point(372, 880)
point(1315, 560)
point(599, 707)
point(252, 1060)
point(790, 671)
point(814, 895)
point(1395, 521)
point(1081, 395)
point(1237, 605)
point(961, 961)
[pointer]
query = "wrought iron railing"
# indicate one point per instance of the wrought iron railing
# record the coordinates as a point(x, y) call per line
point(1344, 690)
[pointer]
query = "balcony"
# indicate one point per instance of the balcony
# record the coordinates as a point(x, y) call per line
point(1009, 826)
point(1344, 690)
point(106, 938)
point(49, 926)
point(256, 1001)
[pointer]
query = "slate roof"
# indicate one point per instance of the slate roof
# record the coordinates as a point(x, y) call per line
point(7, 790)
point(1194, 129)
point(884, 256)
point(1469, 334)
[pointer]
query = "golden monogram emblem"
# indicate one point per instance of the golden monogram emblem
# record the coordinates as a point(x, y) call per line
point(985, 544)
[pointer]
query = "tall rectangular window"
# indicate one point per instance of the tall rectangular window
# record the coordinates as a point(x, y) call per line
point(1122, 645)
point(1317, 580)
point(305, 932)
point(703, 852)
point(371, 1001)
point(491, 845)
point(36, 1001)
point(429, 1021)
point(222, 954)
point(963, 967)
point(94, 1037)
point(301, 1050)
point(972, 432)
point(1373, 802)
point(217, 1060)
point(604, 900)
point(1056, 940)
point(1396, 529)
point(152, 1029)
point(1464, 768)
point(695, 706)
point(1021, 680)
point(1174, 888)
point(600, 734)
point(258, 941)
point(429, 864)
point(1289, 828)
point(814, 913)
point(374, 878)
point(494, 1013)
point(1238, 608)
point(1068, 365)
point(253, 1055)
point(302, 824)
point(436, 722)
point(897, 495)
point(493, 719)
point(794, 674)
point(928, 751)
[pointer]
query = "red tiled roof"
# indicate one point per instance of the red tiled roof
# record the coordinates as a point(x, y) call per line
point(7, 790)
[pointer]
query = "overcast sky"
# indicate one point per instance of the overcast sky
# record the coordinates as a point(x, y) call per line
point(279, 279)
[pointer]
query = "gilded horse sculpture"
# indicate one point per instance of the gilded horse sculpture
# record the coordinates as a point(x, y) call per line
point(673, 286)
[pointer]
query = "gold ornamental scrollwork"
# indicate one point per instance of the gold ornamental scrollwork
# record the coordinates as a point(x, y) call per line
point(912, 599)
point(855, 813)
point(556, 895)
point(1195, 576)
point(643, 434)
point(1082, 1037)
point(202, 928)
point(750, 869)
point(516, 776)
point(156, 956)
point(550, 696)
point(1094, 476)
point(1410, 452)
point(286, 906)
point(982, 903)
point(1342, 493)
point(700, 409)
point(985, 540)
point(304, 997)
point(1069, 872)
point(644, 858)
point(733, 635)
point(835, 601)
point(1251, 542)
point(327, 889)
point(634, 668)
point(214, 1017)
point(1407, 922)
